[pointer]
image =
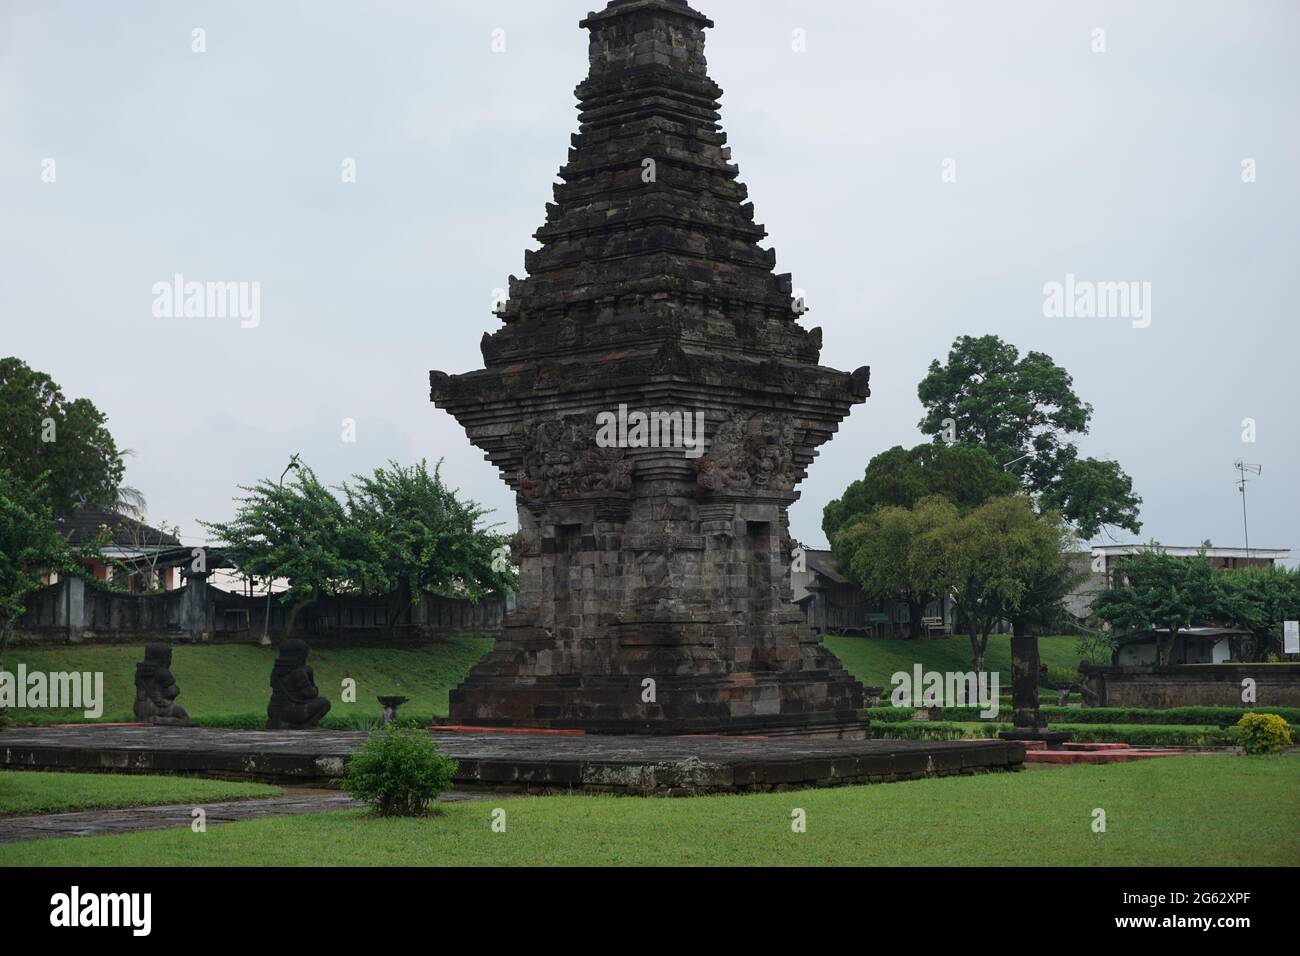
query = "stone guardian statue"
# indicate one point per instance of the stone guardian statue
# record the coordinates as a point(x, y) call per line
point(156, 690)
point(295, 703)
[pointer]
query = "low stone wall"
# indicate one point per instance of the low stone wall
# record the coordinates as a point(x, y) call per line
point(72, 612)
point(1192, 685)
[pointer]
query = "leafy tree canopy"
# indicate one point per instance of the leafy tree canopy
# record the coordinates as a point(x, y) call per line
point(424, 537)
point(41, 432)
point(1153, 589)
point(1258, 600)
point(1092, 495)
point(964, 474)
point(988, 395)
point(1156, 590)
point(889, 553)
point(299, 533)
point(397, 528)
point(29, 546)
point(999, 561)
point(1010, 563)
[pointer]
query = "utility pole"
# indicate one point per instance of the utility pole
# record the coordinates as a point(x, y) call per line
point(266, 624)
point(1243, 467)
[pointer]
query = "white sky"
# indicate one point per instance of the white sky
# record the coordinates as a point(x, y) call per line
point(1123, 165)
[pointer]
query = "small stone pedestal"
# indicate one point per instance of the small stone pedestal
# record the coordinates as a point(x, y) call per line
point(390, 705)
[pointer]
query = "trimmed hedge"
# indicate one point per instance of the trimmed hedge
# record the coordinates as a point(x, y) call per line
point(1153, 735)
point(1138, 735)
point(1171, 715)
point(895, 715)
point(920, 730)
point(1200, 716)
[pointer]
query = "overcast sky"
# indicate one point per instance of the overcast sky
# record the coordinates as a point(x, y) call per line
point(1123, 165)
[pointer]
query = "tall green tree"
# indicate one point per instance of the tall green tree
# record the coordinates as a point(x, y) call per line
point(900, 477)
point(986, 394)
point(1092, 494)
point(1009, 563)
point(1257, 600)
point(43, 433)
point(889, 553)
point(300, 533)
point(397, 530)
point(424, 537)
point(1153, 590)
point(29, 547)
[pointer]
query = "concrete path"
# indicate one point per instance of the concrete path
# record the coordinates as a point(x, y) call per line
point(294, 801)
point(100, 822)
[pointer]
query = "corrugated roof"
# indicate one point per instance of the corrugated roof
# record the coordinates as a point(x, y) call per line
point(1179, 551)
point(1206, 632)
point(823, 562)
point(83, 526)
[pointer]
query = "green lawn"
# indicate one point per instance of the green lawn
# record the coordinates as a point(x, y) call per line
point(874, 660)
point(23, 792)
point(1180, 811)
point(221, 679)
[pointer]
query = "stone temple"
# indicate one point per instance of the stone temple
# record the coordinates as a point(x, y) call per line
point(654, 576)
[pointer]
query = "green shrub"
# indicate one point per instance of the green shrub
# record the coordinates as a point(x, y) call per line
point(1136, 735)
point(894, 715)
point(398, 771)
point(1263, 733)
point(890, 715)
point(1155, 715)
point(1198, 716)
point(1151, 735)
point(918, 730)
point(371, 722)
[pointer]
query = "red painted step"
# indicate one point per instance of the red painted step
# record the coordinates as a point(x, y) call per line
point(1096, 756)
point(1080, 745)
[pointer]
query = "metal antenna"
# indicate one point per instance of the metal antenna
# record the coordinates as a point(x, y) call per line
point(1242, 468)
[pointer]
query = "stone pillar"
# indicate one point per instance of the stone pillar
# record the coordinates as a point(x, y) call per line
point(70, 612)
point(195, 606)
point(1026, 719)
point(1024, 682)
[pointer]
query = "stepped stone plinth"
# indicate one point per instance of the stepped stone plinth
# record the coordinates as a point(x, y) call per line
point(654, 572)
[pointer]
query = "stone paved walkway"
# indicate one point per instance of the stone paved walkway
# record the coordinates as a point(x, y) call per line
point(100, 822)
point(591, 762)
